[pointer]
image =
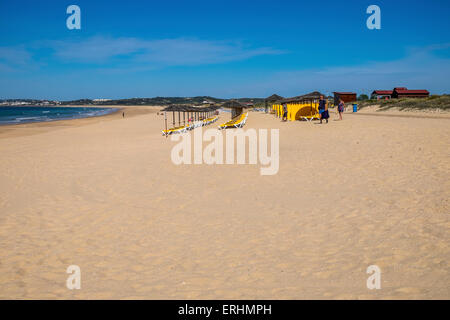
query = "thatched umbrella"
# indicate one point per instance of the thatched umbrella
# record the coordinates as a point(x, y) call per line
point(196, 111)
point(175, 108)
point(272, 98)
point(171, 108)
point(315, 95)
point(235, 106)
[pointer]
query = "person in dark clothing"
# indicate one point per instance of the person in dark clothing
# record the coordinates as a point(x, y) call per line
point(284, 112)
point(341, 108)
point(323, 109)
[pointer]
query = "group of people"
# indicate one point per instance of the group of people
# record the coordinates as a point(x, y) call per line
point(323, 110)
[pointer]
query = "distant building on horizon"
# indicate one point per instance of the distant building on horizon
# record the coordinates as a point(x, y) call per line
point(399, 92)
point(405, 93)
point(382, 94)
point(101, 100)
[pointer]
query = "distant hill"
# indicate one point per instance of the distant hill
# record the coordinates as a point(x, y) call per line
point(156, 101)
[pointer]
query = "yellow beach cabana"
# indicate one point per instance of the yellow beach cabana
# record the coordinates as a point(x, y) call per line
point(304, 107)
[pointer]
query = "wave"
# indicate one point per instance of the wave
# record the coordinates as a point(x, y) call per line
point(14, 115)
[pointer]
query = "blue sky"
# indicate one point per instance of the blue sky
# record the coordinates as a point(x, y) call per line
point(220, 48)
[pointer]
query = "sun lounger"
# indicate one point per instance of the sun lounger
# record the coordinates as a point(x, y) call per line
point(168, 132)
point(239, 122)
point(310, 118)
point(192, 126)
point(210, 120)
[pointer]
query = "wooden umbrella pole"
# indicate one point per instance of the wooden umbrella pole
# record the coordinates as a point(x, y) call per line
point(165, 120)
point(173, 118)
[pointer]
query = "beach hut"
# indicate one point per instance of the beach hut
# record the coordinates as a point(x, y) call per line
point(304, 107)
point(345, 96)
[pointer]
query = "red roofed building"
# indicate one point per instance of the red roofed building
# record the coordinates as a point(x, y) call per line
point(399, 92)
point(382, 94)
point(405, 93)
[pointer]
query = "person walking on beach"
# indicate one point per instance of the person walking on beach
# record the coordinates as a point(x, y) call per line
point(341, 107)
point(323, 109)
point(284, 112)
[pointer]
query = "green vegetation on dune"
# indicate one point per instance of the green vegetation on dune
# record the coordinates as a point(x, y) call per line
point(404, 104)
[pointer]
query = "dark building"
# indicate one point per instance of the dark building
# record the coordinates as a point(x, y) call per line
point(346, 96)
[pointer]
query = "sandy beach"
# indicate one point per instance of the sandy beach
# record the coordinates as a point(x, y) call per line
point(103, 194)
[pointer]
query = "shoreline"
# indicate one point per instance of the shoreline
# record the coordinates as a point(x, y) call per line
point(53, 120)
point(31, 128)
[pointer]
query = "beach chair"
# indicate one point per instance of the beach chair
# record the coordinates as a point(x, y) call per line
point(175, 130)
point(310, 118)
point(239, 122)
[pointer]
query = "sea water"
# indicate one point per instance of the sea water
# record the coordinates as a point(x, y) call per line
point(16, 115)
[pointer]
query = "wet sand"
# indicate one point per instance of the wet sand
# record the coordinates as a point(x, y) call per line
point(103, 194)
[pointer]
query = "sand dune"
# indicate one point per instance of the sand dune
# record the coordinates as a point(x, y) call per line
point(103, 194)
